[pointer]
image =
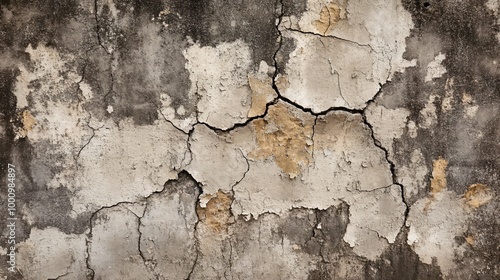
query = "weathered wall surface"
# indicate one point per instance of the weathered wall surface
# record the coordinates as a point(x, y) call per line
point(289, 139)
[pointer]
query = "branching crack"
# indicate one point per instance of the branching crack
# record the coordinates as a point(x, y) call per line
point(90, 139)
point(392, 166)
point(331, 37)
point(98, 27)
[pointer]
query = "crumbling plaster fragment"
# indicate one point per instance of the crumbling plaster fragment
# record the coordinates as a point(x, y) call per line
point(435, 69)
point(434, 224)
point(132, 161)
point(360, 48)
point(375, 219)
point(322, 73)
point(332, 172)
point(114, 233)
point(167, 229)
point(387, 124)
point(211, 153)
point(219, 75)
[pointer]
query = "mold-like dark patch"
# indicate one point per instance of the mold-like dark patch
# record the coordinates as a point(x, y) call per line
point(294, 7)
point(7, 112)
point(52, 22)
point(465, 32)
point(48, 207)
point(145, 61)
point(213, 22)
point(399, 261)
point(481, 254)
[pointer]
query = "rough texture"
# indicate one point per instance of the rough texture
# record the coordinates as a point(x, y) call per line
point(287, 139)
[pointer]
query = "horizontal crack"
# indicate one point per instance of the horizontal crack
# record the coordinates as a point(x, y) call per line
point(331, 37)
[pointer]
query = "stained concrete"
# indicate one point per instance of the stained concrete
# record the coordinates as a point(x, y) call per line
point(289, 139)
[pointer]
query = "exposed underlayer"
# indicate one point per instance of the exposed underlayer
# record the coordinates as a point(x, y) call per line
point(296, 139)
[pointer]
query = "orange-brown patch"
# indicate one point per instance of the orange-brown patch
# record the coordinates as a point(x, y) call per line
point(438, 181)
point(477, 195)
point(286, 137)
point(217, 213)
point(328, 17)
point(262, 93)
point(28, 122)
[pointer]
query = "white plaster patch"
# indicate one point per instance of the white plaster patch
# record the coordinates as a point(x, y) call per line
point(375, 219)
point(219, 75)
point(50, 253)
point(412, 129)
point(211, 155)
point(123, 163)
point(413, 174)
point(380, 24)
point(435, 69)
point(434, 223)
point(387, 124)
point(326, 72)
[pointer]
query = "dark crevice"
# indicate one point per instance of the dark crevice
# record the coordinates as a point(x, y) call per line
point(197, 240)
point(97, 27)
point(392, 166)
point(331, 37)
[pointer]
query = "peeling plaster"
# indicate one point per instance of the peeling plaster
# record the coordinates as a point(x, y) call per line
point(296, 139)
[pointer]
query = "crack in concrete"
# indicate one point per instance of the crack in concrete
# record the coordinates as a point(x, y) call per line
point(392, 166)
point(197, 240)
point(331, 37)
point(89, 140)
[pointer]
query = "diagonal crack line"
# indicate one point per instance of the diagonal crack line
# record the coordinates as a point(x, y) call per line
point(331, 37)
point(197, 240)
point(244, 174)
point(392, 166)
point(90, 139)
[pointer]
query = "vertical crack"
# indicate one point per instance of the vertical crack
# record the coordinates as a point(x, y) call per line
point(196, 239)
point(392, 166)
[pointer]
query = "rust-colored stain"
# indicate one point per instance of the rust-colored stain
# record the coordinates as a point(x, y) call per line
point(438, 181)
point(28, 122)
point(328, 17)
point(217, 213)
point(477, 195)
point(262, 93)
point(469, 239)
point(284, 136)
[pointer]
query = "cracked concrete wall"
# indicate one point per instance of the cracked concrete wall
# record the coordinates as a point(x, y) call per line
point(286, 139)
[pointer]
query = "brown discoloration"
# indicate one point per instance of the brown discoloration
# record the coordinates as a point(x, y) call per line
point(27, 123)
point(286, 136)
point(477, 195)
point(282, 83)
point(262, 93)
point(328, 17)
point(217, 213)
point(470, 239)
point(438, 181)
